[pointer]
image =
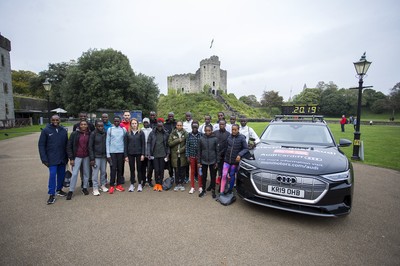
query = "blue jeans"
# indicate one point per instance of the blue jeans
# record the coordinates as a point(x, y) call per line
point(56, 178)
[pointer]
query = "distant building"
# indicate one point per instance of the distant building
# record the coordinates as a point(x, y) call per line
point(7, 117)
point(209, 77)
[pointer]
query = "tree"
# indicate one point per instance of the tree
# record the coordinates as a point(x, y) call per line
point(335, 103)
point(394, 98)
point(271, 99)
point(250, 100)
point(105, 79)
point(369, 97)
point(149, 90)
point(21, 82)
point(56, 73)
point(308, 96)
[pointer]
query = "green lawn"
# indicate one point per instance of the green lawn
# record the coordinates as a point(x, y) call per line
point(381, 143)
point(21, 131)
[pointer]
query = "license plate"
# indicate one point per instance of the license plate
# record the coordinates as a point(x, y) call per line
point(298, 193)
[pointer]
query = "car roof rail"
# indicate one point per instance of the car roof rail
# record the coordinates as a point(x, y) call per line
point(299, 118)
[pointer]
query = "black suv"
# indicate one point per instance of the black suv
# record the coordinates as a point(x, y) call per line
point(298, 167)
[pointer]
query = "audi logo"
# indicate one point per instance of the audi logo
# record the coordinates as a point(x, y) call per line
point(290, 180)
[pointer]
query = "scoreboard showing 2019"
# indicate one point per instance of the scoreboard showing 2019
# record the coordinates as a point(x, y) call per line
point(300, 109)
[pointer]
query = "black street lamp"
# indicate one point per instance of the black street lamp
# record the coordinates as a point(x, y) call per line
point(47, 87)
point(361, 68)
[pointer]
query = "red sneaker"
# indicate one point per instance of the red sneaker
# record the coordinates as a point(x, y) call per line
point(111, 190)
point(119, 188)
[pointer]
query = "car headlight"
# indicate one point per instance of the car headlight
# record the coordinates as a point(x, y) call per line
point(246, 166)
point(342, 176)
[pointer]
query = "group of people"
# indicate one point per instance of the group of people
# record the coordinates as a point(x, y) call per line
point(184, 148)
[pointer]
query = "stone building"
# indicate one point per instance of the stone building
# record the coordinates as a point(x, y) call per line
point(209, 77)
point(7, 117)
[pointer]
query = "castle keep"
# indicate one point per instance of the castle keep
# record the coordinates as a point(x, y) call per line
point(209, 78)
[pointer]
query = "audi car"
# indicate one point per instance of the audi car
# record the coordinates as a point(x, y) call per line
point(298, 167)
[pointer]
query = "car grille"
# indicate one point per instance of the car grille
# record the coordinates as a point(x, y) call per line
point(314, 188)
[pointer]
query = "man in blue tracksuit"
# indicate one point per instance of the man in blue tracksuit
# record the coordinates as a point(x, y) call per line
point(53, 154)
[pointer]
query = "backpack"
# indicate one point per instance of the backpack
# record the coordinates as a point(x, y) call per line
point(168, 183)
point(67, 178)
point(226, 199)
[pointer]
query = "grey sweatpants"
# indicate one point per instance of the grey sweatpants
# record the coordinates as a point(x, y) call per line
point(85, 162)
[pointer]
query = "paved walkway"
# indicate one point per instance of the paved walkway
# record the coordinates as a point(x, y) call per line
point(175, 228)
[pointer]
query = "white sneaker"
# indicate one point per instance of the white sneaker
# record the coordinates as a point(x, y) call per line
point(176, 188)
point(182, 188)
point(104, 188)
point(139, 188)
point(191, 191)
point(96, 192)
point(200, 190)
point(131, 188)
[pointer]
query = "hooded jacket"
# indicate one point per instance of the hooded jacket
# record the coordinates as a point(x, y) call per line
point(208, 150)
point(97, 144)
point(237, 145)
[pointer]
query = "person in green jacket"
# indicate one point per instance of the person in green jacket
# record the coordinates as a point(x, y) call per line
point(177, 144)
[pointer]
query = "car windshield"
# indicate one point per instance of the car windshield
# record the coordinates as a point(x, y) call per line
point(307, 134)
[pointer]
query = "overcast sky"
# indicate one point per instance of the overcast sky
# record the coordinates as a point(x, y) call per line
point(263, 45)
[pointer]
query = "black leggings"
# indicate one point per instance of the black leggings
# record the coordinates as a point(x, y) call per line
point(134, 160)
point(158, 164)
point(118, 161)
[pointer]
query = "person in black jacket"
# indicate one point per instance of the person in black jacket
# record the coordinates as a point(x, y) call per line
point(237, 148)
point(208, 159)
point(78, 154)
point(158, 152)
point(53, 154)
point(170, 125)
point(98, 157)
point(134, 153)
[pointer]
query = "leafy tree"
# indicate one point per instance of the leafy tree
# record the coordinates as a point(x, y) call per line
point(250, 100)
point(21, 82)
point(335, 103)
point(379, 106)
point(105, 79)
point(271, 99)
point(369, 97)
point(308, 96)
point(394, 98)
point(146, 86)
point(56, 73)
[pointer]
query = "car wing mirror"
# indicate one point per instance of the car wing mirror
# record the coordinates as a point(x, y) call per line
point(344, 143)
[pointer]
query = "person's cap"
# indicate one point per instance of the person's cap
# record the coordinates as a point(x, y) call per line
point(146, 120)
point(160, 119)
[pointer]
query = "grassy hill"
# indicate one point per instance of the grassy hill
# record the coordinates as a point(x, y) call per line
point(200, 104)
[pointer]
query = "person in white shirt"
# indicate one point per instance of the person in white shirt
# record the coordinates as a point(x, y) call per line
point(248, 132)
point(207, 121)
point(187, 125)
point(232, 121)
point(221, 116)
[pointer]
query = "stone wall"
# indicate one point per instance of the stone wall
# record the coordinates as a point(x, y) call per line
point(6, 91)
point(208, 75)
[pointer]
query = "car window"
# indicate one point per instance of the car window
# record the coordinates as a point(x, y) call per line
point(298, 133)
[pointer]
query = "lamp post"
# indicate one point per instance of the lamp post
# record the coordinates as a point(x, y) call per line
point(361, 68)
point(47, 87)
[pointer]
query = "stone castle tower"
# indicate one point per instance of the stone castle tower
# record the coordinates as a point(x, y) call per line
point(209, 77)
point(7, 116)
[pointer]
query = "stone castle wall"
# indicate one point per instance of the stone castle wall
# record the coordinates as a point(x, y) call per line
point(6, 91)
point(209, 75)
